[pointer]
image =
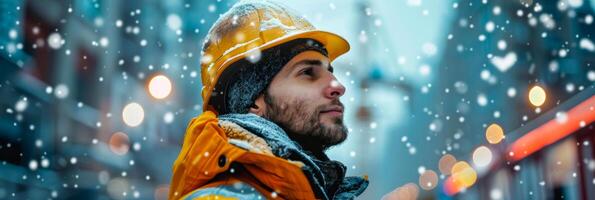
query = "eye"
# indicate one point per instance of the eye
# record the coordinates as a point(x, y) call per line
point(309, 71)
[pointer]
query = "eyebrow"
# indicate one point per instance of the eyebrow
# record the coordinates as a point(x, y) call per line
point(313, 62)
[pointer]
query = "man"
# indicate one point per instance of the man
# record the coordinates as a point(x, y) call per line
point(272, 108)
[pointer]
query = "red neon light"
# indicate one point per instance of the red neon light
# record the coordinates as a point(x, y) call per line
point(540, 137)
point(552, 131)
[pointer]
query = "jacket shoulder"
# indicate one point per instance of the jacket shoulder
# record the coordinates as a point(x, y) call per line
point(237, 190)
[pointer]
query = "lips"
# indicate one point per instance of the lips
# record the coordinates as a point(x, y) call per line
point(333, 110)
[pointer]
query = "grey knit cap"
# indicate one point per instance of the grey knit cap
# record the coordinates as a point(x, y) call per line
point(242, 82)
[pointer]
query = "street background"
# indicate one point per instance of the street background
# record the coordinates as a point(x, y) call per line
point(438, 91)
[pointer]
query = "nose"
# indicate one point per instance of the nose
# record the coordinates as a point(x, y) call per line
point(334, 90)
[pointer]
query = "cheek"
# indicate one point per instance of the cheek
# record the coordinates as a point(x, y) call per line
point(301, 105)
point(304, 97)
point(295, 93)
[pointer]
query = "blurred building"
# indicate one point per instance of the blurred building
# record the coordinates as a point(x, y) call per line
point(68, 70)
point(496, 52)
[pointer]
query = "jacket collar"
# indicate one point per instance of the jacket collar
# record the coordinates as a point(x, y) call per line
point(327, 177)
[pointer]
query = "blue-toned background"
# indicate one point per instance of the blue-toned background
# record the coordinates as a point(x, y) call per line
point(424, 79)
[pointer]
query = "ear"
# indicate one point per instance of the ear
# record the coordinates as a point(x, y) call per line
point(258, 107)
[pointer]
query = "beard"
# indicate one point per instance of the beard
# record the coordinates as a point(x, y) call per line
point(303, 125)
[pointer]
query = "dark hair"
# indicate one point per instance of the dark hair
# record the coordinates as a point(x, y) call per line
point(243, 81)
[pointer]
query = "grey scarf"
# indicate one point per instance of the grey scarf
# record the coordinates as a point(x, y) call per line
point(326, 176)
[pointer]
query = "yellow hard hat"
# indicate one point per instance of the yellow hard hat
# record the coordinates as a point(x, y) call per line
point(254, 26)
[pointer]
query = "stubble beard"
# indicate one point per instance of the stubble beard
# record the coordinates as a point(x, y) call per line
point(303, 126)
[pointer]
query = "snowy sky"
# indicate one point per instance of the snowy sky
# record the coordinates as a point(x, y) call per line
point(410, 23)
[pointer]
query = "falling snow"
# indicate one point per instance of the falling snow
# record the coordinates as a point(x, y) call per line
point(78, 95)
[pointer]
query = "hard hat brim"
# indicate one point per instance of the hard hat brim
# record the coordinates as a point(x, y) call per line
point(334, 44)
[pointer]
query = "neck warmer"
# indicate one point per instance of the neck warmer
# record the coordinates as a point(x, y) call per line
point(327, 177)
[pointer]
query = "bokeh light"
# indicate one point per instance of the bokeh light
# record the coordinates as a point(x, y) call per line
point(445, 164)
point(161, 192)
point(463, 175)
point(133, 114)
point(119, 143)
point(494, 134)
point(537, 96)
point(116, 187)
point(482, 156)
point(160, 86)
point(428, 180)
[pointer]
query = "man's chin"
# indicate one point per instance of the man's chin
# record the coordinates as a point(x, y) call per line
point(331, 120)
point(339, 134)
point(329, 124)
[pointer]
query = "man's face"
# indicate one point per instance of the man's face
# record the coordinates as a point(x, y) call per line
point(303, 98)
